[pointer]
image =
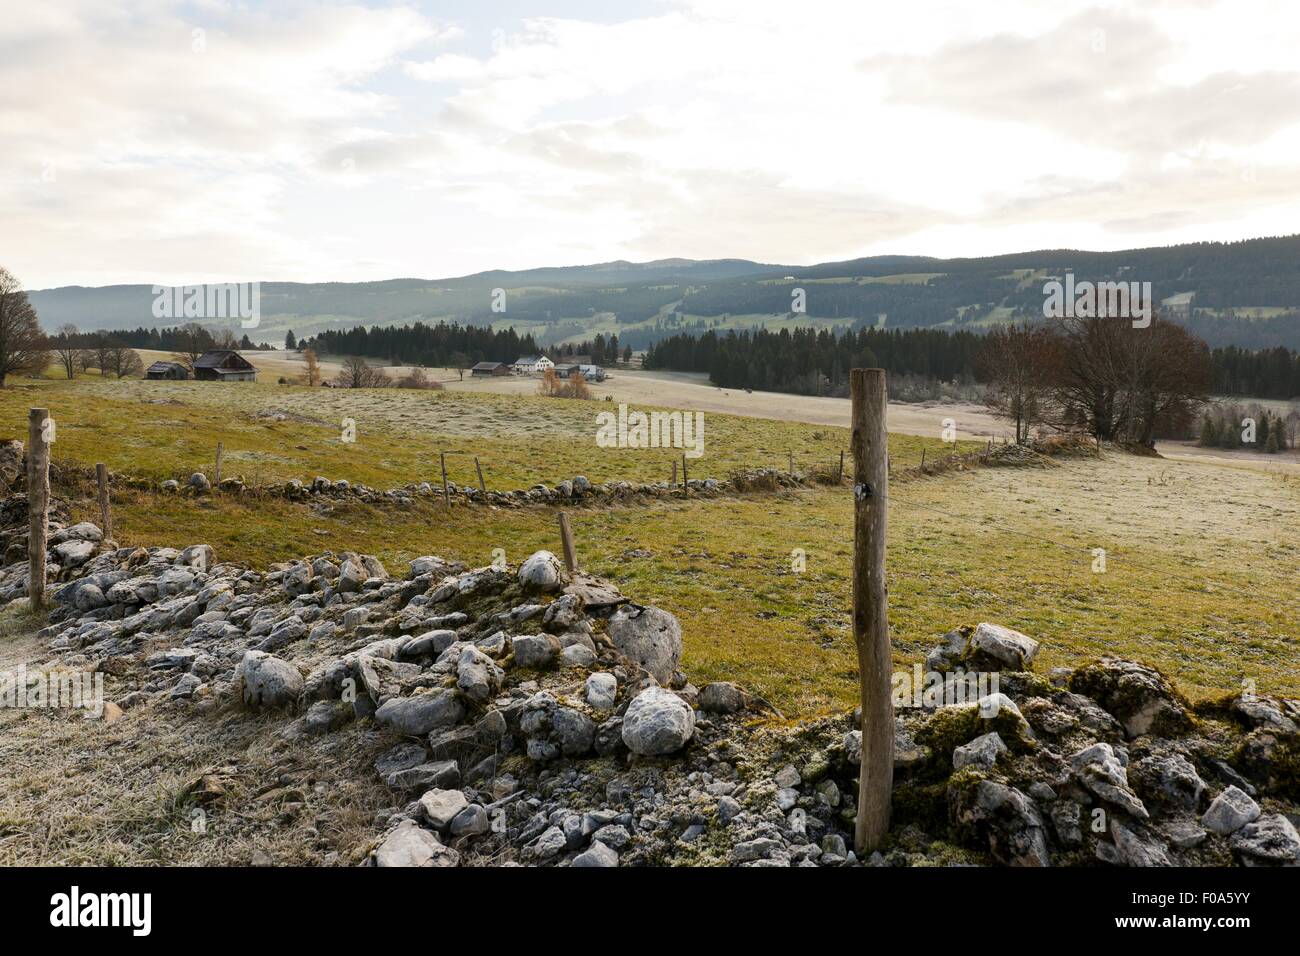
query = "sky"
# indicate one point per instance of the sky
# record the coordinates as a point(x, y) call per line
point(160, 142)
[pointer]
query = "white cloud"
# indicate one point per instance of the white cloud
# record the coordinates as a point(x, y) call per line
point(353, 142)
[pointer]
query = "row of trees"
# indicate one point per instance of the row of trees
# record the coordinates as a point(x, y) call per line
point(445, 345)
point(1251, 426)
point(809, 361)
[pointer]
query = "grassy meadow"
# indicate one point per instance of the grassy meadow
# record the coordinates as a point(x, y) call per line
point(1201, 560)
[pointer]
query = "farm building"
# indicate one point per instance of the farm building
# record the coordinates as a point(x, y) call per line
point(224, 365)
point(592, 373)
point(530, 364)
point(490, 368)
point(167, 370)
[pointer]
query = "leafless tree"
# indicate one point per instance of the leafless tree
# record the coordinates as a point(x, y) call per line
point(1014, 361)
point(1119, 383)
point(67, 350)
point(123, 360)
point(24, 348)
point(192, 341)
point(357, 373)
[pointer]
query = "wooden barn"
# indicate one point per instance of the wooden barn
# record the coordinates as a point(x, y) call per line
point(224, 365)
point(490, 368)
point(174, 371)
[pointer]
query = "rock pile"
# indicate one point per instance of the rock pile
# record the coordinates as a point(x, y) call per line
point(575, 491)
point(533, 717)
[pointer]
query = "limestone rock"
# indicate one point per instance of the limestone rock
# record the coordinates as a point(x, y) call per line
point(542, 573)
point(422, 713)
point(410, 845)
point(268, 681)
point(1230, 811)
point(649, 636)
point(657, 722)
point(981, 752)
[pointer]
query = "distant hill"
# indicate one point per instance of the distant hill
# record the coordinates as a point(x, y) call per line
point(1241, 293)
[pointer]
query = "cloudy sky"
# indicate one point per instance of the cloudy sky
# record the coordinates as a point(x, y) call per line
point(150, 141)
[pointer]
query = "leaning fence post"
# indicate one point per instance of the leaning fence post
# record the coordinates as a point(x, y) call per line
point(105, 510)
point(38, 504)
point(870, 606)
point(839, 479)
point(923, 459)
point(479, 468)
point(566, 540)
point(446, 492)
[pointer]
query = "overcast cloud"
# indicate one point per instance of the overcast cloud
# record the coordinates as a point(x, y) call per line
point(148, 141)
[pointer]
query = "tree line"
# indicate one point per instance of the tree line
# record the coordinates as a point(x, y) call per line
point(444, 345)
point(809, 361)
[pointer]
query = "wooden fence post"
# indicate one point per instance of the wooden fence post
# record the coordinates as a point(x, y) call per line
point(479, 468)
point(216, 478)
point(38, 504)
point(684, 479)
point(792, 463)
point(674, 471)
point(923, 459)
point(839, 479)
point(870, 607)
point(105, 510)
point(566, 539)
point(446, 492)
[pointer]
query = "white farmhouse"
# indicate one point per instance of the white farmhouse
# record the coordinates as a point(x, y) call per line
point(532, 365)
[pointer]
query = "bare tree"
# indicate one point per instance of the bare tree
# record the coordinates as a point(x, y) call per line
point(24, 348)
point(192, 340)
point(1119, 383)
point(1014, 362)
point(357, 373)
point(67, 350)
point(123, 360)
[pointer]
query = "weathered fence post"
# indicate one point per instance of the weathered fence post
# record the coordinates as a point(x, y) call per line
point(870, 607)
point(446, 492)
point(923, 459)
point(839, 479)
point(792, 463)
point(105, 510)
point(479, 468)
point(684, 479)
point(674, 471)
point(38, 504)
point(566, 540)
point(216, 478)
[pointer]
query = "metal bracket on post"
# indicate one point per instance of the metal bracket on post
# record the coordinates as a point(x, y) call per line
point(863, 491)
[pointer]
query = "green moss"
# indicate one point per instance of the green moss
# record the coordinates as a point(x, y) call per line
point(922, 804)
point(948, 728)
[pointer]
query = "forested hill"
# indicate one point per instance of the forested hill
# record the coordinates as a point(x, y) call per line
point(1241, 293)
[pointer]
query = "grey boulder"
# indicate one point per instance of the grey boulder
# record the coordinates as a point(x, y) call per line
point(657, 722)
point(648, 636)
